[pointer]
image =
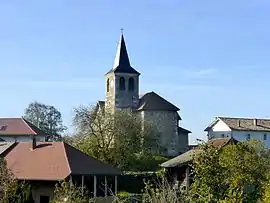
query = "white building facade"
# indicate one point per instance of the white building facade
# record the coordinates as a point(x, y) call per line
point(241, 129)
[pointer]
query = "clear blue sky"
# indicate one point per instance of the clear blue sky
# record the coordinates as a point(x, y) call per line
point(210, 58)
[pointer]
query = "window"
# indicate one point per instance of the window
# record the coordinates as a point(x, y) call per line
point(265, 137)
point(122, 85)
point(108, 85)
point(130, 84)
point(222, 135)
point(44, 199)
point(248, 137)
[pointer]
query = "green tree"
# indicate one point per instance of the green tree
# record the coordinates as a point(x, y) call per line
point(47, 118)
point(117, 138)
point(235, 173)
point(11, 189)
point(65, 192)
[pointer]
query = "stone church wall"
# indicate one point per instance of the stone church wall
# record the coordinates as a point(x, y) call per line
point(182, 142)
point(166, 123)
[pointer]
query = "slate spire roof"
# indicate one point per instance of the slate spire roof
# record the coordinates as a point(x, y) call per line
point(121, 61)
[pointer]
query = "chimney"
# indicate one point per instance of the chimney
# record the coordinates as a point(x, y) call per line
point(255, 122)
point(238, 122)
point(34, 143)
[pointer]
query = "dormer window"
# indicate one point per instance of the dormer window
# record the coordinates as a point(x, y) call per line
point(3, 127)
point(122, 85)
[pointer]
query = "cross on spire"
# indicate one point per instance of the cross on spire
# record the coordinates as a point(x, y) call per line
point(122, 30)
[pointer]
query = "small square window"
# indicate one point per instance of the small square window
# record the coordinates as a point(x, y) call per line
point(248, 137)
point(265, 136)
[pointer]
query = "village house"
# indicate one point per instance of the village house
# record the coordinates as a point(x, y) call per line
point(241, 129)
point(122, 91)
point(178, 169)
point(44, 164)
point(19, 130)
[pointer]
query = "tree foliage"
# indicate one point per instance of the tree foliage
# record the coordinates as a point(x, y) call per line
point(11, 189)
point(69, 193)
point(235, 173)
point(117, 138)
point(47, 118)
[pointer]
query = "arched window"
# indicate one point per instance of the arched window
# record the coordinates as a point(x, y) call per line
point(108, 85)
point(130, 84)
point(122, 85)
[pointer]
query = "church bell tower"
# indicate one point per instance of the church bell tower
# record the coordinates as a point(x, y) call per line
point(122, 81)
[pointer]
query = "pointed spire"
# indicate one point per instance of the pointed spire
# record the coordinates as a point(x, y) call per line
point(121, 61)
point(121, 58)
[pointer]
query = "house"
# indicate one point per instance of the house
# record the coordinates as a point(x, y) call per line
point(240, 128)
point(19, 130)
point(122, 92)
point(44, 164)
point(178, 168)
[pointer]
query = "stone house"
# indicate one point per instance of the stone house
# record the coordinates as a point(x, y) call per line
point(19, 130)
point(122, 92)
point(45, 164)
point(242, 129)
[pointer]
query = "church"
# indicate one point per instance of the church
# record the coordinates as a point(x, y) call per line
point(122, 91)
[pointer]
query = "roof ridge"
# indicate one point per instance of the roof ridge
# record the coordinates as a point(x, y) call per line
point(26, 122)
point(246, 118)
point(65, 154)
point(144, 100)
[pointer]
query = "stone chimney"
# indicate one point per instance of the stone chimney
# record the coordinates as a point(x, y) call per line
point(238, 122)
point(255, 122)
point(34, 143)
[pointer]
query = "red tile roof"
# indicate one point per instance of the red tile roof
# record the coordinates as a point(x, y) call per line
point(53, 161)
point(18, 126)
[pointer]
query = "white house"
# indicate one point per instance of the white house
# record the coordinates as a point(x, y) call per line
point(19, 130)
point(240, 128)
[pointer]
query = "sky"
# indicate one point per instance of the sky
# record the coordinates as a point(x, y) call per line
point(210, 58)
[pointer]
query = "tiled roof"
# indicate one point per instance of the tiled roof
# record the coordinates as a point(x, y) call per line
point(244, 124)
point(187, 157)
point(183, 130)
point(152, 101)
point(121, 61)
point(18, 126)
point(181, 159)
point(53, 161)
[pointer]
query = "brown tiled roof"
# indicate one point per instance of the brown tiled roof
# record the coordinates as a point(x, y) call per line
point(18, 126)
point(152, 101)
point(244, 124)
point(53, 161)
point(221, 142)
point(187, 157)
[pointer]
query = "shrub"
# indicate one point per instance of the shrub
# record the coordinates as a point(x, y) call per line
point(65, 192)
point(11, 189)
